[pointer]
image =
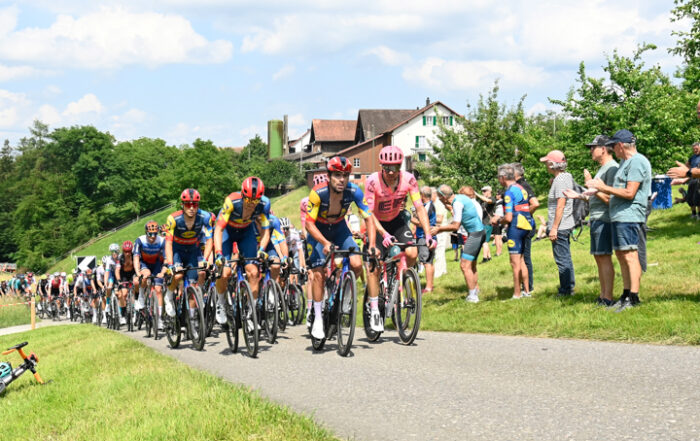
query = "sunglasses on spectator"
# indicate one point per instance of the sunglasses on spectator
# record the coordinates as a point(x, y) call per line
point(251, 200)
point(391, 168)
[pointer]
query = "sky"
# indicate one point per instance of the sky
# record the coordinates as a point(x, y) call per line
point(220, 69)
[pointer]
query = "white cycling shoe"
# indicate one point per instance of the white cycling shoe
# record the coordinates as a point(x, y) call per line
point(169, 308)
point(138, 305)
point(375, 321)
point(220, 315)
point(122, 321)
point(317, 330)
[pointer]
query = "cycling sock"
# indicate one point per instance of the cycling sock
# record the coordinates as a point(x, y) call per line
point(625, 294)
point(192, 313)
point(317, 308)
point(142, 290)
point(374, 303)
point(221, 298)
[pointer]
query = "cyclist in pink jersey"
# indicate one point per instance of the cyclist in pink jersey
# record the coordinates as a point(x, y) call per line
point(302, 214)
point(386, 193)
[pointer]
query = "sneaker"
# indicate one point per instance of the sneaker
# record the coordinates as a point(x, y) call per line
point(375, 321)
point(104, 319)
point(169, 308)
point(122, 321)
point(317, 330)
point(625, 305)
point(138, 305)
point(94, 319)
point(220, 314)
point(617, 304)
point(472, 298)
point(526, 294)
point(603, 302)
point(517, 297)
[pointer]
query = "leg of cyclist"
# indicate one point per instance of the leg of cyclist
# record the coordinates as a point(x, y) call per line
point(121, 297)
point(228, 251)
point(145, 273)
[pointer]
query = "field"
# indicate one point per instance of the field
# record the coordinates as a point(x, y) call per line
point(107, 386)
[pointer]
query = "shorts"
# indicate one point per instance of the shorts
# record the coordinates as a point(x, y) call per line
point(338, 234)
point(497, 229)
point(398, 228)
point(188, 256)
point(154, 268)
point(601, 238)
point(271, 251)
point(488, 229)
point(245, 238)
point(425, 254)
point(127, 276)
point(625, 235)
point(517, 236)
point(472, 247)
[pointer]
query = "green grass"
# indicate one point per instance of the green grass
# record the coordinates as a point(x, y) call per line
point(288, 205)
point(14, 315)
point(109, 387)
point(670, 293)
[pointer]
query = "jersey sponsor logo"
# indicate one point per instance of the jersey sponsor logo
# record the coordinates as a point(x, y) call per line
point(506, 199)
point(511, 243)
point(189, 234)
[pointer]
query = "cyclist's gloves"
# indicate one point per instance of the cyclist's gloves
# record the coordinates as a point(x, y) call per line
point(430, 241)
point(262, 255)
point(388, 240)
point(220, 259)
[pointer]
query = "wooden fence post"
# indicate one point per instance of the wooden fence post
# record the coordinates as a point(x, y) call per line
point(33, 313)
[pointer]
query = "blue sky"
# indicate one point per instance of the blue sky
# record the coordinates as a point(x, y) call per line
point(214, 69)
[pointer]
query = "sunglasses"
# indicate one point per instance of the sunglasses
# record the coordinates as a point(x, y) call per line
point(391, 168)
point(251, 200)
point(190, 205)
point(151, 234)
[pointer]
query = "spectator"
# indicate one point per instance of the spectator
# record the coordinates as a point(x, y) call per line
point(488, 206)
point(498, 214)
point(692, 197)
point(534, 204)
point(442, 238)
point(560, 219)
point(629, 198)
point(599, 217)
point(466, 213)
point(425, 254)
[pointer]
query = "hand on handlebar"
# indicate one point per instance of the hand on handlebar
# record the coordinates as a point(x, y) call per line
point(220, 260)
point(262, 255)
point(388, 240)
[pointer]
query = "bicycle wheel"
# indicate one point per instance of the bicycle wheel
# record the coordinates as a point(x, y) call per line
point(371, 334)
point(409, 306)
point(145, 316)
point(270, 303)
point(294, 305)
point(172, 330)
point(130, 310)
point(98, 311)
point(232, 320)
point(249, 319)
point(346, 304)
point(195, 322)
point(210, 310)
point(115, 312)
point(281, 308)
point(154, 314)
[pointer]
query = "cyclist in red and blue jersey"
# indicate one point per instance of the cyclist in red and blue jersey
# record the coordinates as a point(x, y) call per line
point(277, 247)
point(235, 224)
point(517, 215)
point(325, 223)
point(182, 242)
point(149, 255)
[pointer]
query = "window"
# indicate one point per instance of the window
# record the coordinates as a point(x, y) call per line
point(429, 120)
point(421, 157)
point(358, 176)
point(356, 162)
point(420, 142)
point(446, 120)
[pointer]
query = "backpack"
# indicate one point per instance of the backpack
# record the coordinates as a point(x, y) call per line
point(579, 210)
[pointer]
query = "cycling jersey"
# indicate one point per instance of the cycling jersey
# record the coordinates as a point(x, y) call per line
point(468, 213)
point(179, 234)
point(386, 203)
point(319, 204)
point(99, 274)
point(516, 201)
point(303, 206)
point(150, 254)
point(231, 214)
point(126, 268)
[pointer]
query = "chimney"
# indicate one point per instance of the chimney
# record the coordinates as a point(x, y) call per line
point(427, 101)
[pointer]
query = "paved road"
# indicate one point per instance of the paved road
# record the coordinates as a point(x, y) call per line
point(476, 387)
point(41, 324)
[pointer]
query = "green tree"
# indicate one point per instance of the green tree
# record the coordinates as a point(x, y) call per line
point(688, 43)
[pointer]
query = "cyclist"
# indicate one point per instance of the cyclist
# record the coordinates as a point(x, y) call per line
point(149, 255)
point(386, 197)
point(182, 242)
point(125, 273)
point(110, 267)
point(325, 223)
point(276, 249)
point(236, 225)
point(295, 245)
point(83, 287)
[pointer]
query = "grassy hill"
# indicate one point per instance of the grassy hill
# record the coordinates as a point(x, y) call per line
point(287, 205)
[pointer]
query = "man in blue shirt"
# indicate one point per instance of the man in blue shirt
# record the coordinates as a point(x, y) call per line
point(426, 255)
point(629, 196)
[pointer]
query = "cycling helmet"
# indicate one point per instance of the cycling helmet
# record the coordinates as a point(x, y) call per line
point(5, 369)
point(104, 260)
point(88, 271)
point(56, 274)
point(391, 155)
point(339, 164)
point(127, 246)
point(253, 188)
point(190, 195)
point(114, 248)
point(284, 222)
point(63, 274)
point(151, 226)
point(320, 179)
point(30, 274)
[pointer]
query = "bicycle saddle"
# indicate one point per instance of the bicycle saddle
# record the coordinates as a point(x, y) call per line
point(19, 346)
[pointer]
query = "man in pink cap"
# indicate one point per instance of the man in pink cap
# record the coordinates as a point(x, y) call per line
point(560, 219)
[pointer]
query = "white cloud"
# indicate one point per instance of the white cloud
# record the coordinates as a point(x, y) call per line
point(88, 104)
point(110, 38)
point(468, 75)
point(48, 115)
point(284, 72)
point(389, 56)
point(14, 72)
point(252, 130)
point(12, 106)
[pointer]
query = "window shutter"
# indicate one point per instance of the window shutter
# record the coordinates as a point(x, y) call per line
point(451, 121)
point(423, 119)
point(435, 120)
point(418, 139)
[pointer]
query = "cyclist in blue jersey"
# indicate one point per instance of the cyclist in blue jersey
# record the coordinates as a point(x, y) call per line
point(325, 223)
point(520, 223)
point(149, 255)
point(466, 213)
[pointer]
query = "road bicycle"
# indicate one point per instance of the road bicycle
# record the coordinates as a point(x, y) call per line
point(339, 301)
point(148, 315)
point(399, 296)
point(293, 294)
point(268, 300)
point(8, 375)
point(240, 309)
point(189, 312)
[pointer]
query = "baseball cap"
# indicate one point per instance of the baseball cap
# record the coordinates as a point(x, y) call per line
point(599, 140)
point(554, 156)
point(486, 188)
point(624, 136)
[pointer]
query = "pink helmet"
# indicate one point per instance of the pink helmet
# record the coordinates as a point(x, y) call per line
point(391, 154)
point(319, 179)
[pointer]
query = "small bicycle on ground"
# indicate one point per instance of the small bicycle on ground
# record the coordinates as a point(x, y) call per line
point(8, 375)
